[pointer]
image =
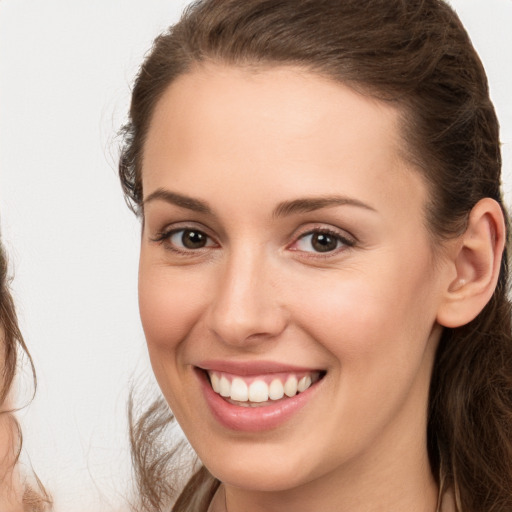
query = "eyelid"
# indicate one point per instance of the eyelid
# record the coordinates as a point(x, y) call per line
point(178, 226)
point(163, 237)
point(348, 240)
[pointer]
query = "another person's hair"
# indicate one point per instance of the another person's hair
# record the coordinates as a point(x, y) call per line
point(416, 56)
point(33, 496)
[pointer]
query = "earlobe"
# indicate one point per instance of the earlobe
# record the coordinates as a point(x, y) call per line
point(477, 260)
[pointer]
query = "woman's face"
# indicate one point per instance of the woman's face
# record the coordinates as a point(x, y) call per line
point(285, 250)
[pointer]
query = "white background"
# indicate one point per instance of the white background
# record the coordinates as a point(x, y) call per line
point(65, 72)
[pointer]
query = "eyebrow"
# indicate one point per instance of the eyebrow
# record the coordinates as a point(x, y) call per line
point(283, 209)
point(309, 204)
point(180, 200)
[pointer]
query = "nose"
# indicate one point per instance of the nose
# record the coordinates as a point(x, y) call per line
point(245, 308)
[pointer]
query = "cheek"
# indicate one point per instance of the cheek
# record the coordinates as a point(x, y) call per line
point(168, 306)
point(377, 327)
point(386, 311)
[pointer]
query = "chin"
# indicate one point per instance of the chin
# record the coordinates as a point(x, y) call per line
point(273, 474)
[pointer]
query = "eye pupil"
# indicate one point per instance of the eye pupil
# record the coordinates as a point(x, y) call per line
point(193, 239)
point(323, 242)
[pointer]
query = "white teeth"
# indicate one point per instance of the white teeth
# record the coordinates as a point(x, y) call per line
point(224, 387)
point(276, 390)
point(304, 383)
point(214, 379)
point(258, 391)
point(290, 387)
point(239, 391)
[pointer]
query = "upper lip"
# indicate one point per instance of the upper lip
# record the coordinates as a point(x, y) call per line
point(247, 368)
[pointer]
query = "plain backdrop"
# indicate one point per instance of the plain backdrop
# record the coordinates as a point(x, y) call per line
point(66, 67)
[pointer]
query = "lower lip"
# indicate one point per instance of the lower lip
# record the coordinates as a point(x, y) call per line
point(253, 419)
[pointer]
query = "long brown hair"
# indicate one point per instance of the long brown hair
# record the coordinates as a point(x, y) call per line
point(34, 497)
point(416, 55)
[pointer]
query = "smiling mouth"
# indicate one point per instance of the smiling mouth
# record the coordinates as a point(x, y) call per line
point(258, 391)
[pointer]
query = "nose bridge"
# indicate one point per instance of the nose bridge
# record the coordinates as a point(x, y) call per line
point(244, 307)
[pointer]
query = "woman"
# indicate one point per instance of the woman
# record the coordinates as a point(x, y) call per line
point(16, 494)
point(322, 278)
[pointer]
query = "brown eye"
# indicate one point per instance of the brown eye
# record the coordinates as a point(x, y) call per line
point(193, 239)
point(186, 240)
point(324, 242)
point(321, 241)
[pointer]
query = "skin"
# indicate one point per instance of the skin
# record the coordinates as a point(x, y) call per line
point(10, 482)
point(244, 141)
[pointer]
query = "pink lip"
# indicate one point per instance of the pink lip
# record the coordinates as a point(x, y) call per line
point(248, 368)
point(252, 419)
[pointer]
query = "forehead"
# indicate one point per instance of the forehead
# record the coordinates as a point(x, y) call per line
point(288, 101)
point(282, 128)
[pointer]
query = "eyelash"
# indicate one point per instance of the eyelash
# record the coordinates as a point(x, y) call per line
point(342, 242)
point(164, 238)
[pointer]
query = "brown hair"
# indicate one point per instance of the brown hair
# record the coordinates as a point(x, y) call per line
point(416, 55)
point(33, 498)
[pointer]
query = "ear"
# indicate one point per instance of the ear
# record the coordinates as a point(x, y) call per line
point(476, 260)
